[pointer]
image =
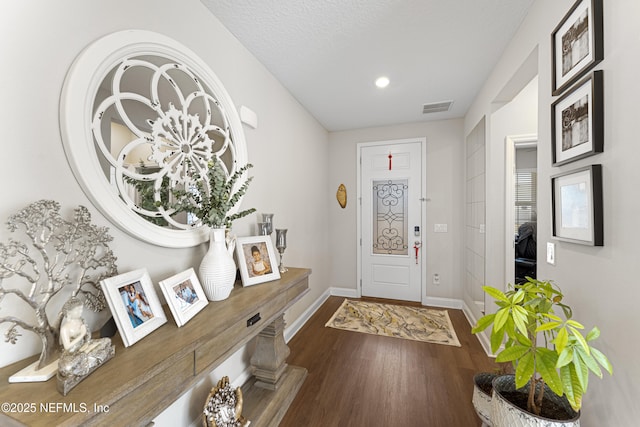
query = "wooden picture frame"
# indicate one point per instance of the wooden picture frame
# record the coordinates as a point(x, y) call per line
point(184, 295)
point(577, 121)
point(255, 252)
point(576, 44)
point(577, 206)
point(134, 305)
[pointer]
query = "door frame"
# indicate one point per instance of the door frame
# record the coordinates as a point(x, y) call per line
point(511, 142)
point(423, 210)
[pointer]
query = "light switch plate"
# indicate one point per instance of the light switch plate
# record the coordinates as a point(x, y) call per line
point(440, 228)
point(551, 253)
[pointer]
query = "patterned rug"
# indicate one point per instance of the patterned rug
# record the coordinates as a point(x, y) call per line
point(412, 323)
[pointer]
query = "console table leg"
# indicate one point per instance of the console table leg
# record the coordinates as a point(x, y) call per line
point(268, 362)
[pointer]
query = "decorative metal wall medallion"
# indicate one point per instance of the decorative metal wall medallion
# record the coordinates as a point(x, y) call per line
point(341, 196)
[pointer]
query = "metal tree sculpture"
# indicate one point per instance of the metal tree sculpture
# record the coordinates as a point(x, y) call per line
point(67, 255)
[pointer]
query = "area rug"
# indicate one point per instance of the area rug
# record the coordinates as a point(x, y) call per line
point(412, 323)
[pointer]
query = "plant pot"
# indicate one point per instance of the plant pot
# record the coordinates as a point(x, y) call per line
point(481, 398)
point(504, 413)
point(218, 269)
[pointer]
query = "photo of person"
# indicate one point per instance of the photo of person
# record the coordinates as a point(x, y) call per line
point(184, 294)
point(257, 260)
point(258, 263)
point(135, 303)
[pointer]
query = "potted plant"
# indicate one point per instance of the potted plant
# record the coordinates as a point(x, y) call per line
point(212, 201)
point(551, 356)
point(481, 397)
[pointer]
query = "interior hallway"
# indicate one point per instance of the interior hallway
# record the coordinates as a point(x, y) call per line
point(357, 379)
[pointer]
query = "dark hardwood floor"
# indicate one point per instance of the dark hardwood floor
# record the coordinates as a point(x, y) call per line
point(357, 379)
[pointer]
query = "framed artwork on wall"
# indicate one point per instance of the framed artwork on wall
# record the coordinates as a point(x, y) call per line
point(184, 295)
point(134, 305)
point(576, 43)
point(256, 260)
point(577, 121)
point(576, 200)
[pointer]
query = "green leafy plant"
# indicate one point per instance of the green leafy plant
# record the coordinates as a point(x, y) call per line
point(146, 192)
point(215, 195)
point(543, 347)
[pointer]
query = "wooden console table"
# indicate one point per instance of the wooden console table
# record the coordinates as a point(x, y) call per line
point(144, 379)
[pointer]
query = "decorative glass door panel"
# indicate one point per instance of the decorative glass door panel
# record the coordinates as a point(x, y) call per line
point(390, 217)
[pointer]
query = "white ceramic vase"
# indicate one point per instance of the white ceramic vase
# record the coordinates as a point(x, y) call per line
point(218, 269)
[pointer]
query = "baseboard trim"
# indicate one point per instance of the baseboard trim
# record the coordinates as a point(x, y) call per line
point(344, 292)
point(291, 330)
point(443, 302)
point(482, 336)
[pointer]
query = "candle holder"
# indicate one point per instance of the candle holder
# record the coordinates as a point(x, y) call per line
point(267, 219)
point(281, 245)
point(263, 229)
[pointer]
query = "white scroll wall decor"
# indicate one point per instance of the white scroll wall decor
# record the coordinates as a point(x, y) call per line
point(141, 115)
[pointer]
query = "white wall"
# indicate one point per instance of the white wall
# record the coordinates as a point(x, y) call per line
point(518, 117)
point(599, 283)
point(39, 40)
point(444, 188)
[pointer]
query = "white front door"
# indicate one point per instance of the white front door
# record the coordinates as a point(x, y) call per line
point(391, 219)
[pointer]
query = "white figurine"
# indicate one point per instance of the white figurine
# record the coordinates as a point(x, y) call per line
point(81, 355)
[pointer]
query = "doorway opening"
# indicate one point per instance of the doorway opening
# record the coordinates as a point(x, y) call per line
point(522, 213)
point(515, 123)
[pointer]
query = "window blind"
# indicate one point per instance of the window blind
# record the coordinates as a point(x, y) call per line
point(526, 195)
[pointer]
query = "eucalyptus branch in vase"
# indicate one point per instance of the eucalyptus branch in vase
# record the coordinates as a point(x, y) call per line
point(212, 200)
point(215, 195)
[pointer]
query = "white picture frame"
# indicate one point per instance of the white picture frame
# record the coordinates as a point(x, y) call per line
point(249, 260)
point(184, 295)
point(134, 304)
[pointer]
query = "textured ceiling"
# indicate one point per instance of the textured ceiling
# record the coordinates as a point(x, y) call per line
point(329, 52)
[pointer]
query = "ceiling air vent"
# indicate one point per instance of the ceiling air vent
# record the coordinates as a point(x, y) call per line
point(436, 107)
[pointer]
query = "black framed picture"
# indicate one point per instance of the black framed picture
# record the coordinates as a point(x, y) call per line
point(577, 121)
point(576, 200)
point(577, 44)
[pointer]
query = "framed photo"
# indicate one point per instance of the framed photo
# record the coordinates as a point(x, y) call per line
point(577, 206)
point(134, 305)
point(256, 260)
point(184, 295)
point(576, 43)
point(577, 121)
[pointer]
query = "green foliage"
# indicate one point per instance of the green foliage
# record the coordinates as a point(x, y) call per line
point(215, 195)
point(146, 192)
point(542, 346)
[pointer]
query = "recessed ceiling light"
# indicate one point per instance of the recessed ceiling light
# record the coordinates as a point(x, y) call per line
point(382, 82)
